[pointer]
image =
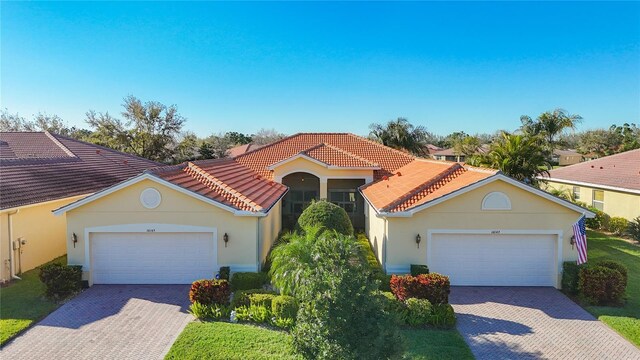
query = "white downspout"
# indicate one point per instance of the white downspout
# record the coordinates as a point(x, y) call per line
point(12, 269)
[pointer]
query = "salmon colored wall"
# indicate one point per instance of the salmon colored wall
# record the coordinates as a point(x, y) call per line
point(528, 212)
point(616, 203)
point(45, 235)
point(124, 207)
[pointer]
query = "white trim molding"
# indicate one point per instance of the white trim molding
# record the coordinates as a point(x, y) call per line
point(320, 163)
point(147, 176)
point(558, 234)
point(591, 185)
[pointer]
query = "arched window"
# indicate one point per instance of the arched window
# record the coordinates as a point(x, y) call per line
point(496, 201)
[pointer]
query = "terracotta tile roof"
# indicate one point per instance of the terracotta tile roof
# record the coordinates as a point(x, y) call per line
point(619, 170)
point(334, 156)
point(420, 182)
point(388, 159)
point(225, 181)
point(37, 167)
point(241, 149)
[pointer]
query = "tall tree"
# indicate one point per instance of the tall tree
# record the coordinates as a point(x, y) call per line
point(402, 135)
point(520, 156)
point(215, 147)
point(467, 145)
point(266, 136)
point(14, 122)
point(187, 148)
point(149, 130)
point(549, 126)
point(237, 138)
point(629, 134)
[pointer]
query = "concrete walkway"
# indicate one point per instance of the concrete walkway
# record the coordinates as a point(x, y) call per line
point(108, 322)
point(533, 323)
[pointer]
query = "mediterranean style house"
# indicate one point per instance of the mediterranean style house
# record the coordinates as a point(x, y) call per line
point(176, 224)
point(610, 184)
point(40, 172)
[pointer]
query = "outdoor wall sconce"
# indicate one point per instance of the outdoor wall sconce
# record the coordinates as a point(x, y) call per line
point(572, 241)
point(418, 239)
point(225, 238)
point(74, 239)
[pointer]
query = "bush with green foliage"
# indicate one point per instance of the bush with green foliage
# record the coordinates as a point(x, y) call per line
point(570, 277)
point(253, 313)
point(418, 311)
point(600, 221)
point(615, 265)
point(385, 283)
point(291, 258)
point(618, 225)
point(340, 317)
point(209, 292)
point(61, 281)
point(243, 297)
point(419, 269)
point(248, 280)
point(325, 216)
point(209, 312)
point(284, 323)
point(601, 285)
point(284, 306)
point(442, 315)
point(433, 287)
point(633, 229)
point(224, 273)
point(393, 306)
point(367, 252)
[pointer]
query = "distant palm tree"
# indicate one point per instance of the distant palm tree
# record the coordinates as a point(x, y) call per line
point(401, 134)
point(549, 126)
point(519, 156)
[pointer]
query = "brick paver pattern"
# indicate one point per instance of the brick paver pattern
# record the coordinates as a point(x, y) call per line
point(533, 323)
point(108, 322)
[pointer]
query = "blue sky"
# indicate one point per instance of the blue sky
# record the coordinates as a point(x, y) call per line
point(325, 66)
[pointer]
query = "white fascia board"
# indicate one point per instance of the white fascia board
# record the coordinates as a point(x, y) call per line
point(592, 185)
point(318, 162)
point(147, 176)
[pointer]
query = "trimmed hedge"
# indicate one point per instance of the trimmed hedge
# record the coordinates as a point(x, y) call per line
point(633, 229)
point(224, 273)
point(284, 307)
point(618, 225)
point(600, 221)
point(570, 277)
point(243, 297)
point(442, 315)
point(208, 292)
point(418, 311)
point(433, 287)
point(325, 215)
point(385, 282)
point(601, 285)
point(248, 280)
point(612, 264)
point(419, 269)
point(61, 281)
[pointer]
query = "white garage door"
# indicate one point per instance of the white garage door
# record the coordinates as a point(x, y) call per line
point(152, 258)
point(495, 260)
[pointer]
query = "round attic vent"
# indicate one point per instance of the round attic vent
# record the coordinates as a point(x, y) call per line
point(150, 198)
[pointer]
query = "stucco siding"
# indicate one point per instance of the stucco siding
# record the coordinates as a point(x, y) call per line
point(616, 203)
point(44, 233)
point(528, 212)
point(375, 229)
point(269, 228)
point(124, 207)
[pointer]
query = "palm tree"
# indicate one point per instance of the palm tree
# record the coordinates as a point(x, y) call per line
point(549, 126)
point(291, 258)
point(519, 156)
point(401, 134)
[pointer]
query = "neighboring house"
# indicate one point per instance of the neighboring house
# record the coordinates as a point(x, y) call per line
point(566, 157)
point(40, 172)
point(451, 155)
point(241, 149)
point(430, 149)
point(179, 223)
point(610, 183)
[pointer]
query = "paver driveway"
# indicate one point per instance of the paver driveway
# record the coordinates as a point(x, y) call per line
point(533, 323)
point(108, 322)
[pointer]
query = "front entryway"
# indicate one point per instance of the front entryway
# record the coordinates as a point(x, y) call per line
point(152, 258)
point(495, 259)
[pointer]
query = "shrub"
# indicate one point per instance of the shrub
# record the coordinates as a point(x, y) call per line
point(325, 216)
point(243, 297)
point(224, 273)
point(418, 311)
point(570, 277)
point(633, 229)
point(618, 225)
point(284, 306)
point(340, 317)
point(601, 285)
point(254, 313)
point(284, 323)
point(385, 282)
point(433, 287)
point(204, 312)
point(393, 306)
point(248, 280)
point(419, 269)
point(61, 281)
point(600, 221)
point(370, 258)
point(442, 315)
point(612, 264)
point(209, 292)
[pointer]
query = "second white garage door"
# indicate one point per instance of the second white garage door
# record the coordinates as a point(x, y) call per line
point(152, 258)
point(495, 260)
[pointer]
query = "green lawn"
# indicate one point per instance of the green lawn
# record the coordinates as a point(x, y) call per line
point(22, 303)
point(217, 340)
point(625, 320)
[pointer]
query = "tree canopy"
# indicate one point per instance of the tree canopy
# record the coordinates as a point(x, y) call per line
point(402, 135)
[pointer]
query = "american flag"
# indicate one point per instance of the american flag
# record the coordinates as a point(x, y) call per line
point(580, 235)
